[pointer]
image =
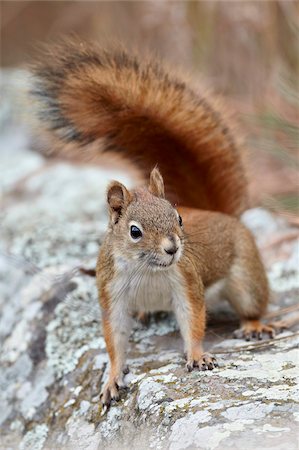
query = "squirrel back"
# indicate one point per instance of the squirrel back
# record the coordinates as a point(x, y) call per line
point(110, 100)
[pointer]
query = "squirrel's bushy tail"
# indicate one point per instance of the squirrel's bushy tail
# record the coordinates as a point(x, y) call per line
point(147, 115)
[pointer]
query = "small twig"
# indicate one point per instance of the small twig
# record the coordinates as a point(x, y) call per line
point(282, 311)
point(255, 346)
point(286, 323)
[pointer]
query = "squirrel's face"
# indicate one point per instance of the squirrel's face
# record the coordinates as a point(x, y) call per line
point(151, 231)
point(145, 226)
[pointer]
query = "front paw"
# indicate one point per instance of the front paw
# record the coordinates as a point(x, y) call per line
point(254, 329)
point(111, 391)
point(205, 361)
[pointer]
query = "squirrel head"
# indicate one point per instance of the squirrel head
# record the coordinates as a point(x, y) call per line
point(144, 226)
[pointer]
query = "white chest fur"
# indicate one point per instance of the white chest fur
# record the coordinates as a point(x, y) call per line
point(143, 289)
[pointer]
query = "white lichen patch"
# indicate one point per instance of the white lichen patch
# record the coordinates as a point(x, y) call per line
point(165, 378)
point(112, 423)
point(23, 308)
point(266, 367)
point(133, 378)
point(5, 410)
point(241, 433)
point(181, 403)
point(13, 378)
point(82, 434)
point(37, 393)
point(256, 410)
point(84, 407)
point(281, 392)
point(203, 400)
point(70, 402)
point(237, 425)
point(269, 427)
point(184, 432)
point(296, 416)
point(34, 439)
point(76, 391)
point(75, 328)
point(165, 369)
point(149, 392)
point(17, 343)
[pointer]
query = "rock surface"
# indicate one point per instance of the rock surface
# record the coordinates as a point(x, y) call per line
point(53, 359)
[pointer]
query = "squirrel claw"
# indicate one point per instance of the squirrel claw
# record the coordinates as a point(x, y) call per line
point(111, 391)
point(205, 362)
point(254, 329)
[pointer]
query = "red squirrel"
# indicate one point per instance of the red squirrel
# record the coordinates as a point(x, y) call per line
point(156, 256)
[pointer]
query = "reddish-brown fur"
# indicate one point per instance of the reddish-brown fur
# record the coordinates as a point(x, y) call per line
point(110, 101)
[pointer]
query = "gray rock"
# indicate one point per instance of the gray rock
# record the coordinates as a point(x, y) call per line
point(53, 359)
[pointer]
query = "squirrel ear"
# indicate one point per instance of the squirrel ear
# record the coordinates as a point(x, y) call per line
point(156, 184)
point(118, 198)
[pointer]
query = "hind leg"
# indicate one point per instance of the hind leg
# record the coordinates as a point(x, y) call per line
point(248, 292)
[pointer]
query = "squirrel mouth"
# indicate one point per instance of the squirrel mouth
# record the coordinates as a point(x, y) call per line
point(161, 265)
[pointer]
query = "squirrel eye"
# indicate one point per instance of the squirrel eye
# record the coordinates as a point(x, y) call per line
point(180, 221)
point(135, 232)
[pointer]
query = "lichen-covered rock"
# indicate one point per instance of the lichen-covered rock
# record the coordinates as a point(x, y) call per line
point(53, 359)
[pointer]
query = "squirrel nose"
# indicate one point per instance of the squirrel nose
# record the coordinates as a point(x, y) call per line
point(171, 251)
point(171, 246)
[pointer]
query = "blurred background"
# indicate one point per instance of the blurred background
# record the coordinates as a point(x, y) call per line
point(246, 51)
point(53, 219)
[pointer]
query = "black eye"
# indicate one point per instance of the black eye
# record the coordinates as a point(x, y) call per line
point(180, 221)
point(135, 232)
